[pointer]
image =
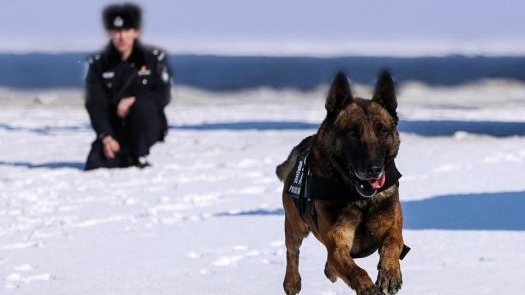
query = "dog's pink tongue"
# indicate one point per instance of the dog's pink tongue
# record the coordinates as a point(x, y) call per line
point(378, 183)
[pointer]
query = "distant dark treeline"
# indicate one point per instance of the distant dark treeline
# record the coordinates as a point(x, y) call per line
point(226, 73)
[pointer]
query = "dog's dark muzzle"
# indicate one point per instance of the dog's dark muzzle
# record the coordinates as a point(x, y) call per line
point(368, 180)
point(373, 171)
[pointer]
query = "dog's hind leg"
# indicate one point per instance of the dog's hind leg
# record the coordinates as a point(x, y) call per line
point(329, 272)
point(295, 231)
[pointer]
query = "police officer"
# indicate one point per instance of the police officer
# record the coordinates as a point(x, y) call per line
point(127, 89)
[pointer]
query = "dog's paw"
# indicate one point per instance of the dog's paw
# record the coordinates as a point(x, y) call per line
point(292, 286)
point(329, 273)
point(389, 282)
point(370, 291)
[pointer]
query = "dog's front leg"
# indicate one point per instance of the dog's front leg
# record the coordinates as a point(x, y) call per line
point(339, 244)
point(389, 278)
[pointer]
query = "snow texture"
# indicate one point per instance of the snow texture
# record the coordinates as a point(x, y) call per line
point(207, 217)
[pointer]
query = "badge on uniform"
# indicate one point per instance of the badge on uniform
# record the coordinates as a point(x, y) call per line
point(165, 76)
point(108, 75)
point(118, 22)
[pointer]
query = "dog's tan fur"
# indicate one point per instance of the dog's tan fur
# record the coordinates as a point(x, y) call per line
point(359, 132)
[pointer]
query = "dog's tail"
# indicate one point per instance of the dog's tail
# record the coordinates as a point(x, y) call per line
point(286, 167)
point(283, 170)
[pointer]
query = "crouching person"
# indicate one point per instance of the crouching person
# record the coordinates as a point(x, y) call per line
point(127, 88)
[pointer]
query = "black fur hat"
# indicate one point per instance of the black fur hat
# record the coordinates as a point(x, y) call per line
point(122, 16)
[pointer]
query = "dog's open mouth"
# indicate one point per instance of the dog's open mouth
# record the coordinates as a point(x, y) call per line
point(378, 183)
point(368, 188)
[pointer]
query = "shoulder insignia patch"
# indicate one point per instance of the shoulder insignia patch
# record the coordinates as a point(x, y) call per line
point(108, 75)
point(161, 56)
point(165, 76)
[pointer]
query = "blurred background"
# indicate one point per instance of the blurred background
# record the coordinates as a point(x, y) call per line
point(243, 44)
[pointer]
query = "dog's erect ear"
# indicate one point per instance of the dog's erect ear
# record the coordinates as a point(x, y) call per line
point(385, 94)
point(339, 93)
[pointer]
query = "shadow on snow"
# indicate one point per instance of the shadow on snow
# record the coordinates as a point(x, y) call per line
point(250, 125)
point(50, 165)
point(450, 127)
point(44, 130)
point(419, 127)
point(486, 211)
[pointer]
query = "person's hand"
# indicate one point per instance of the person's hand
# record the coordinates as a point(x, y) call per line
point(111, 147)
point(124, 105)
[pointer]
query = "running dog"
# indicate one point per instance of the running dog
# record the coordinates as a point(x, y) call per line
point(341, 184)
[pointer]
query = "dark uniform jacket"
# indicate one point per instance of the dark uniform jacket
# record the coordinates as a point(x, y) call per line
point(145, 75)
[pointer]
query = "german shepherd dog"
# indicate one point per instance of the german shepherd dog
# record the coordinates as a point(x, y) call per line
point(341, 184)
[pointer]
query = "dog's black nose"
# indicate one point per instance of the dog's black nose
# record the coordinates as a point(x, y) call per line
point(374, 171)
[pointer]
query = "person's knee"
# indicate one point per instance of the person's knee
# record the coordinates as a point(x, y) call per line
point(143, 109)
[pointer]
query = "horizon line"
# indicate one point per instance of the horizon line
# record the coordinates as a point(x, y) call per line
point(510, 48)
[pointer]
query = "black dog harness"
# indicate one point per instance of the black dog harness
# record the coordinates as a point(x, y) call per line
point(306, 187)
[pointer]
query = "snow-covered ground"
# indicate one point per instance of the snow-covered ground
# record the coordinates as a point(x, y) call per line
point(207, 217)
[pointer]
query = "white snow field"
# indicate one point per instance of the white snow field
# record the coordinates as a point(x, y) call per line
point(207, 217)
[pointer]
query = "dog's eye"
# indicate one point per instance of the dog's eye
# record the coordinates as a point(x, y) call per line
point(351, 131)
point(382, 129)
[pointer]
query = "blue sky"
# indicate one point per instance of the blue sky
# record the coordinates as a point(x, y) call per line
point(287, 26)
